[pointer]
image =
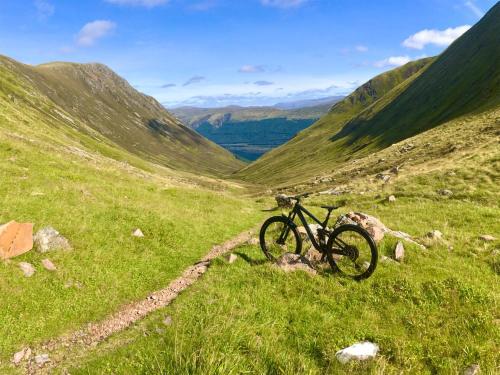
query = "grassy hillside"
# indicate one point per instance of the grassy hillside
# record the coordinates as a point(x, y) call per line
point(55, 170)
point(97, 97)
point(436, 312)
point(463, 79)
point(311, 149)
point(249, 132)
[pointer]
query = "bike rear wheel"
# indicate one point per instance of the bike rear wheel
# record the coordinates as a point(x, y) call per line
point(279, 236)
point(352, 252)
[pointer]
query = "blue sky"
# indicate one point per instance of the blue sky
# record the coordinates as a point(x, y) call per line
point(247, 52)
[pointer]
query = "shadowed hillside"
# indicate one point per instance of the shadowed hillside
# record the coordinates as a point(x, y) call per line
point(96, 96)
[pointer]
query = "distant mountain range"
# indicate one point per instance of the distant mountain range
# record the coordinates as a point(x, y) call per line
point(249, 132)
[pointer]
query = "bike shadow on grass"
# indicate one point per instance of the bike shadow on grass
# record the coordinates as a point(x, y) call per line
point(250, 260)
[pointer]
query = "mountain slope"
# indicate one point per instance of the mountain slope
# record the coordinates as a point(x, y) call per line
point(249, 132)
point(312, 145)
point(464, 79)
point(94, 95)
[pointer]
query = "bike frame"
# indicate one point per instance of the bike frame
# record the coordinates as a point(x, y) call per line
point(299, 211)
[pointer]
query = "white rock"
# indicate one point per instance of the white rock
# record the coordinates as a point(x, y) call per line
point(472, 370)
point(137, 233)
point(167, 321)
point(360, 351)
point(391, 198)
point(27, 269)
point(399, 251)
point(435, 235)
point(47, 239)
point(41, 359)
point(23, 354)
point(48, 265)
point(231, 258)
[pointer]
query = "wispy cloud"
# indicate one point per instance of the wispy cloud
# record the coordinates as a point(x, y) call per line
point(201, 6)
point(252, 69)
point(283, 3)
point(361, 48)
point(440, 38)
point(193, 80)
point(94, 31)
point(474, 8)
point(142, 3)
point(263, 83)
point(392, 61)
point(44, 9)
point(168, 85)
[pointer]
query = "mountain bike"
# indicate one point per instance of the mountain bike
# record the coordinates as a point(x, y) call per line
point(349, 249)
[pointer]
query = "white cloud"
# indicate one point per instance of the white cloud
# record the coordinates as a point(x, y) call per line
point(392, 61)
point(44, 9)
point(93, 31)
point(441, 38)
point(474, 8)
point(252, 69)
point(142, 3)
point(361, 48)
point(283, 3)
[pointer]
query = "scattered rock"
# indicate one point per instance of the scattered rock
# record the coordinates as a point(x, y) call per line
point(231, 258)
point(360, 351)
point(399, 252)
point(21, 355)
point(284, 201)
point(48, 265)
point(49, 239)
point(445, 192)
point(391, 198)
point(335, 191)
point(37, 194)
point(253, 241)
point(487, 238)
point(314, 229)
point(42, 359)
point(137, 233)
point(395, 169)
point(451, 173)
point(167, 320)
point(314, 256)
point(383, 177)
point(407, 147)
point(289, 262)
point(472, 370)
point(15, 239)
point(435, 235)
point(372, 225)
point(27, 269)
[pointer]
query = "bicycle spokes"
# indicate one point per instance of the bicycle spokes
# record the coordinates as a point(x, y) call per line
point(351, 253)
point(279, 240)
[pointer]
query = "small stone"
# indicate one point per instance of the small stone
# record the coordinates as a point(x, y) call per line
point(27, 269)
point(48, 239)
point(472, 370)
point(283, 201)
point(20, 355)
point(360, 351)
point(42, 359)
point(487, 238)
point(289, 262)
point(231, 258)
point(391, 198)
point(395, 170)
point(167, 321)
point(37, 194)
point(445, 192)
point(399, 252)
point(48, 265)
point(435, 235)
point(137, 233)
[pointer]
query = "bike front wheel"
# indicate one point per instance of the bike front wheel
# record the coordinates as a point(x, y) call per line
point(279, 236)
point(352, 252)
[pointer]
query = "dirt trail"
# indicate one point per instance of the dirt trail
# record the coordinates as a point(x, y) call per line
point(64, 348)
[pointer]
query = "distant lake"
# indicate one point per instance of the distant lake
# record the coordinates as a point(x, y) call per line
point(249, 140)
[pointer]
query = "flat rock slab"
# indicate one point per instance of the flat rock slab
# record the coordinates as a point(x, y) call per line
point(48, 239)
point(48, 265)
point(27, 268)
point(15, 239)
point(360, 351)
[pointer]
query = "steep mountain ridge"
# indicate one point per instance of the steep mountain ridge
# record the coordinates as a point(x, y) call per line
point(96, 96)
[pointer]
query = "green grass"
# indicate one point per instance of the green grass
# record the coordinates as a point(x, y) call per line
point(437, 312)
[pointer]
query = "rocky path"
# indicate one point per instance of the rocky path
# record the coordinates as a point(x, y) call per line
point(53, 354)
